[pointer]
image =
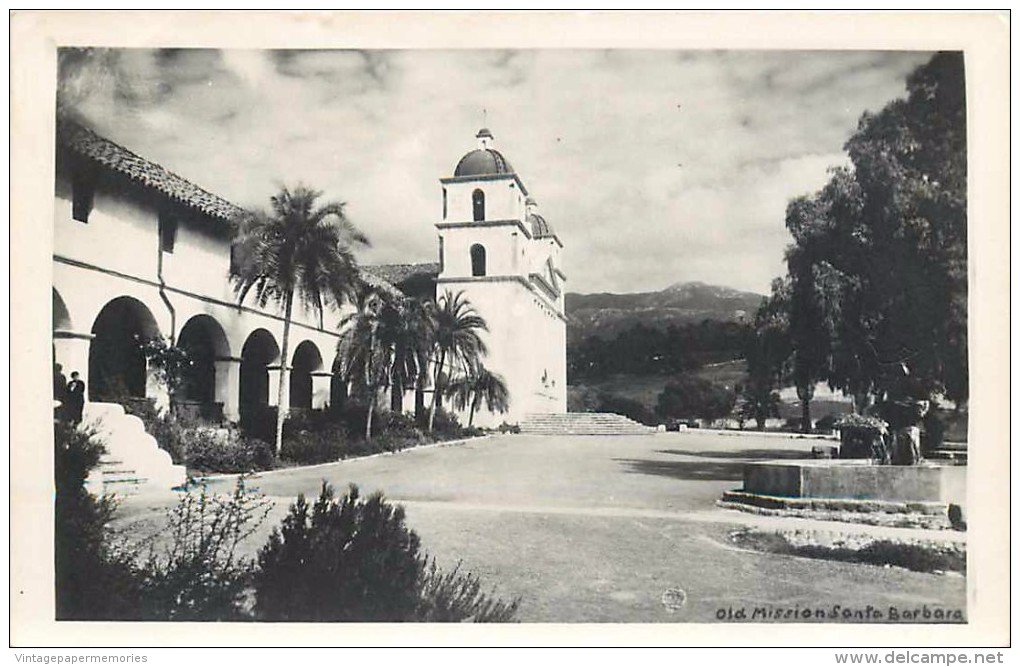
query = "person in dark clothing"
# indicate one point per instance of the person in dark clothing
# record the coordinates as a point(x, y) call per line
point(75, 396)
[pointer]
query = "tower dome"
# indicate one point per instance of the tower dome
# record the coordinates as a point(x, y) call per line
point(539, 227)
point(484, 160)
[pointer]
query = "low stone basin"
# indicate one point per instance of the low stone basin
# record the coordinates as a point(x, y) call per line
point(924, 496)
point(857, 479)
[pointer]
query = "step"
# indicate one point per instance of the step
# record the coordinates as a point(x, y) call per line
point(582, 423)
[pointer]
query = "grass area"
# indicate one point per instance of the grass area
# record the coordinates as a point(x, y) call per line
point(912, 556)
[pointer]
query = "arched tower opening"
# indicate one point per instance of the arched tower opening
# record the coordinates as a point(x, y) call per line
point(477, 260)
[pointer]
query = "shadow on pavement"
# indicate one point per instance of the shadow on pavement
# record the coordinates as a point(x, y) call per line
point(741, 454)
point(689, 470)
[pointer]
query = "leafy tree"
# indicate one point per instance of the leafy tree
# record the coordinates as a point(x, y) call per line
point(168, 362)
point(456, 330)
point(476, 386)
point(880, 258)
point(767, 352)
point(298, 250)
point(809, 328)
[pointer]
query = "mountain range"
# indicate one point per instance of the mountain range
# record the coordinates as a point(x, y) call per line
point(606, 314)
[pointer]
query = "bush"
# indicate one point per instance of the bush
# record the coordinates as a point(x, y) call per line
point(627, 407)
point(692, 396)
point(92, 580)
point(198, 577)
point(826, 424)
point(324, 444)
point(226, 450)
point(446, 425)
point(354, 559)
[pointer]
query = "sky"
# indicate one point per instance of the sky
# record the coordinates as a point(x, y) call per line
point(653, 167)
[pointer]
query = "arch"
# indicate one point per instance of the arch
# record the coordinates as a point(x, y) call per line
point(306, 361)
point(117, 365)
point(478, 205)
point(61, 316)
point(205, 342)
point(257, 354)
point(477, 260)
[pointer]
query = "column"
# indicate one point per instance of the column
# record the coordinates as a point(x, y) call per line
point(228, 386)
point(71, 351)
point(283, 402)
point(321, 383)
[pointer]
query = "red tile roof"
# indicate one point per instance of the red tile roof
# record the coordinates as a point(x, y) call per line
point(86, 143)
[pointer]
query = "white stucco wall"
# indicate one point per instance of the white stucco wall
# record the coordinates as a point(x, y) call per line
point(503, 199)
point(116, 254)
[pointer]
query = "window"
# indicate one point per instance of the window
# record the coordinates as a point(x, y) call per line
point(444, 203)
point(477, 260)
point(83, 193)
point(478, 204)
point(167, 232)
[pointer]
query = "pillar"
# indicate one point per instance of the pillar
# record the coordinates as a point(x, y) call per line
point(71, 351)
point(283, 402)
point(321, 383)
point(228, 386)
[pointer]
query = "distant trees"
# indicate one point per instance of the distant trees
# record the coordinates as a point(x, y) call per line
point(644, 350)
point(877, 272)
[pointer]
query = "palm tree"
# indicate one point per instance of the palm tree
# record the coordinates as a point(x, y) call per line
point(412, 347)
point(456, 328)
point(477, 385)
point(298, 251)
point(368, 343)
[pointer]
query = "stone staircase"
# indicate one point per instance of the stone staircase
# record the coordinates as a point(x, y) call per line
point(133, 462)
point(582, 423)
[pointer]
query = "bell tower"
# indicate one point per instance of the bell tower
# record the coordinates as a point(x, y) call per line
point(504, 257)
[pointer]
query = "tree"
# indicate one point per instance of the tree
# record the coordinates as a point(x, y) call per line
point(298, 250)
point(808, 326)
point(457, 341)
point(767, 351)
point(879, 260)
point(412, 348)
point(476, 386)
point(366, 347)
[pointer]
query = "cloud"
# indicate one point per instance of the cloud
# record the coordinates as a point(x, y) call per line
point(652, 166)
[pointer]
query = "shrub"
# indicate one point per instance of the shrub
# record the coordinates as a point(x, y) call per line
point(198, 576)
point(627, 407)
point(446, 425)
point(92, 580)
point(454, 597)
point(354, 559)
point(343, 559)
point(509, 428)
point(692, 396)
point(323, 444)
point(826, 424)
point(226, 450)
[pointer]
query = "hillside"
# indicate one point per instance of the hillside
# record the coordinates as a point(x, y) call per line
point(607, 314)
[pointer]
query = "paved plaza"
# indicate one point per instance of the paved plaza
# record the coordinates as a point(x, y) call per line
point(607, 529)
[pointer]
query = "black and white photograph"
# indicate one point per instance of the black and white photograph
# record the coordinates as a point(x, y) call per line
point(489, 331)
